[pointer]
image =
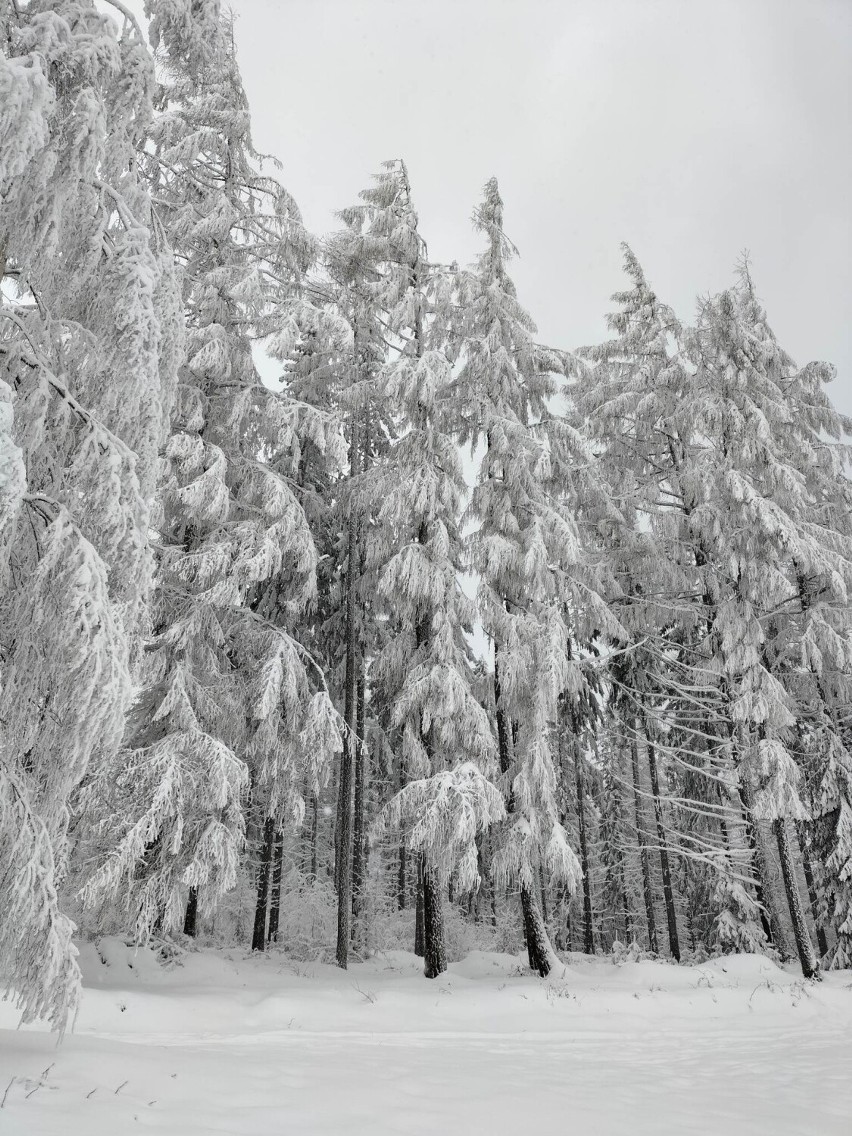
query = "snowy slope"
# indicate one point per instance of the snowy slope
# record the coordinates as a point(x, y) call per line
point(247, 1046)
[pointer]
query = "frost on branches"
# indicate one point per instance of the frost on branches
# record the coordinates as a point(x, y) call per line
point(87, 325)
point(232, 709)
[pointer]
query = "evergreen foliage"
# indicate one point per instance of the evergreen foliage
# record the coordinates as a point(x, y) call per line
point(237, 654)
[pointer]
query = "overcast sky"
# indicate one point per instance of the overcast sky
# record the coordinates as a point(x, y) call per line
point(692, 130)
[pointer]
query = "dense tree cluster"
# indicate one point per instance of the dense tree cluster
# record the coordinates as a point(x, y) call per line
point(239, 619)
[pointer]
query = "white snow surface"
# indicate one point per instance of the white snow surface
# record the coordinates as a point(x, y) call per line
point(223, 1043)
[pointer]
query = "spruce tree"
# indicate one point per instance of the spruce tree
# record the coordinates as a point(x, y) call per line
point(425, 667)
point(89, 336)
point(523, 549)
point(231, 703)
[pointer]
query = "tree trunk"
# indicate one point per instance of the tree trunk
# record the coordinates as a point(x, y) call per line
point(643, 847)
point(542, 886)
point(258, 941)
point(628, 917)
point(668, 894)
point(419, 915)
point(588, 926)
point(807, 956)
point(763, 883)
point(401, 896)
point(347, 762)
point(191, 917)
point(538, 944)
point(275, 901)
point(338, 819)
point(751, 840)
point(302, 858)
point(314, 835)
point(359, 836)
point(434, 957)
point(402, 863)
point(822, 942)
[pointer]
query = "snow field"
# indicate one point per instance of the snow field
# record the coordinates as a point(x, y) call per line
point(224, 1044)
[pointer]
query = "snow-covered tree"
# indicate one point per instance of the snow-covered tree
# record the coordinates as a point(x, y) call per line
point(424, 668)
point(639, 402)
point(231, 702)
point(524, 550)
point(89, 336)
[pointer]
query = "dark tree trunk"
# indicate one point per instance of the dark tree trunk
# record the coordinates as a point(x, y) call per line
point(429, 916)
point(535, 930)
point(344, 889)
point(419, 914)
point(643, 848)
point(359, 835)
point(314, 835)
point(304, 856)
point(807, 866)
point(668, 894)
point(258, 940)
point(401, 896)
point(347, 762)
point(538, 944)
point(275, 899)
point(402, 863)
point(542, 886)
point(628, 918)
point(807, 956)
point(338, 819)
point(588, 926)
point(191, 917)
point(504, 737)
point(434, 957)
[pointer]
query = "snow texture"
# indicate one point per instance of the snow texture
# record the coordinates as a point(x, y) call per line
point(218, 1043)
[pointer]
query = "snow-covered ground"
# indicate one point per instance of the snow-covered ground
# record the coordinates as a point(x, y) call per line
point(261, 1047)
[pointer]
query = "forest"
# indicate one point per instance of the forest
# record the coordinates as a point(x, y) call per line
point(339, 614)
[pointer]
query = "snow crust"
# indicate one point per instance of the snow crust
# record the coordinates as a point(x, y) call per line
point(221, 1043)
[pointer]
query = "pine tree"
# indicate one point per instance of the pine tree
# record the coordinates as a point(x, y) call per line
point(523, 551)
point(808, 642)
point(424, 669)
point(231, 702)
point(88, 347)
point(638, 402)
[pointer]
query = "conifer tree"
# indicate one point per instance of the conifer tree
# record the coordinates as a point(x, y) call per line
point(758, 522)
point(89, 336)
point(231, 702)
point(637, 401)
point(523, 551)
point(425, 668)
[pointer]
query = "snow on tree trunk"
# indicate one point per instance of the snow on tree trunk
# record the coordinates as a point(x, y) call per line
point(807, 956)
point(348, 759)
point(668, 894)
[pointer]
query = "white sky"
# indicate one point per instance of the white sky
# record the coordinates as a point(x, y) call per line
point(692, 130)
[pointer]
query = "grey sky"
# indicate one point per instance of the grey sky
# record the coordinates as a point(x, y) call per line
point(692, 130)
